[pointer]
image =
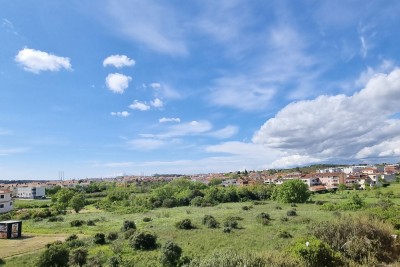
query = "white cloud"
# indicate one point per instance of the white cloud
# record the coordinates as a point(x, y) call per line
point(154, 24)
point(36, 61)
point(118, 61)
point(226, 132)
point(10, 151)
point(120, 113)
point(142, 106)
point(117, 82)
point(146, 144)
point(292, 161)
point(164, 91)
point(157, 103)
point(155, 85)
point(183, 129)
point(331, 127)
point(364, 47)
point(163, 120)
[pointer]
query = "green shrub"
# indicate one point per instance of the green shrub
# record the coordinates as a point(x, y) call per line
point(231, 259)
point(76, 223)
point(284, 219)
point(78, 257)
point(56, 219)
point(129, 233)
point(210, 221)
point(263, 217)
point(291, 213)
point(315, 253)
point(231, 222)
point(185, 224)
point(2, 261)
point(128, 225)
point(284, 234)
point(143, 241)
point(55, 255)
point(99, 238)
point(362, 239)
point(90, 223)
point(76, 243)
point(71, 237)
point(147, 219)
point(112, 236)
point(170, 254)
point(168, 203)
point(114, 261)
point(227, 230)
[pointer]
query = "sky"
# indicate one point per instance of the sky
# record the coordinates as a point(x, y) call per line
point(141, 87)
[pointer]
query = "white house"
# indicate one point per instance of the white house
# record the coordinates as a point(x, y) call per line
point(30, 192)
point(6, 203)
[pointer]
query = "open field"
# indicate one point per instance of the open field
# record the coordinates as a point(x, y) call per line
point(251, 235)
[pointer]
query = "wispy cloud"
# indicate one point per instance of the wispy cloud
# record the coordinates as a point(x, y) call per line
point(182, 129)
point(10, 151)
point(120, 113)
point(37, 61)
point(163, 120)
point(150, 23)
point(146, 144)
point(226, 132)
point(117, 82)
point(118, 61)
point(9, 26)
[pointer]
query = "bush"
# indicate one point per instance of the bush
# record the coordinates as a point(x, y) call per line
point(284, 219)
point(147, 219)
point(76, 223)
point(78, 257)
point(291, 213)
point(2, 261)
point(143, 241)
point(99, 238)
point(227, 230)
point(129, 233)
point(246, 207)
point(168, 203)
point(76, 243)
point(315, 253)
point(114, 261)
point(210, 221)
point(56, 255)
point(71, 237)
point(231, 222)
point(284, 234)
point(263, 218)
point(361, 238)
point(128, 225)
point(185, 224)
point(170, 254)
point(293, 191)
point(112, 236)
point(56, 219)
point(90, 223)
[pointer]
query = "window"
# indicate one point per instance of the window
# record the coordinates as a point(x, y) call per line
point(11, 203)
point(1, 196)
point(1, 206)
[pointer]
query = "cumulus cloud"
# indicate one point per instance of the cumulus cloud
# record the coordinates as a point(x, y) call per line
point(120, 113)
point(117, 82)
point(37, 61)
point(142, 106)
point(118, 61)
point(163, 120)
point(340, 126)
point(155, 85)
point(157, 103)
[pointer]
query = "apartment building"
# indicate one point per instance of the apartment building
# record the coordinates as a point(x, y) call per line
point(6, 203)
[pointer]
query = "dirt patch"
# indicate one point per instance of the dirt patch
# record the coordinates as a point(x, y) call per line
point(28, 243)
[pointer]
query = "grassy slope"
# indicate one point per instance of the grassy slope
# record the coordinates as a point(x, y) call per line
point(199, 242)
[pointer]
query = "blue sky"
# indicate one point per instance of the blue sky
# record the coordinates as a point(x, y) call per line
point(98, 89)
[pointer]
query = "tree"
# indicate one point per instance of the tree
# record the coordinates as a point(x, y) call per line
point(170, 254)
point(143, 241)
point(78, 257)
point(55, 255)
point(61, 198)
point(77, 202)
point(293, 191)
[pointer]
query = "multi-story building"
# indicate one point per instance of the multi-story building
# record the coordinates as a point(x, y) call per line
point(6, 203)
point(30, 192)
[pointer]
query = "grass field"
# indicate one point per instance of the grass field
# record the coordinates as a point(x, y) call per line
point(251, 235)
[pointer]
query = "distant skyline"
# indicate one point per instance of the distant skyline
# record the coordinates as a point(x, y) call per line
point(98, 89)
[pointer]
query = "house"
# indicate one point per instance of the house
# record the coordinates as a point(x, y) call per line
point(332, 179)
point(30, 192)
point(6, 203)
point(311, 180)
point(10, 229)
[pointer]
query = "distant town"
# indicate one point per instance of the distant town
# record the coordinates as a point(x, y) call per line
point(319, 178)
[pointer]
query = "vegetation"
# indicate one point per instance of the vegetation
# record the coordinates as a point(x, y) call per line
point(351, 228)
point(293, 191)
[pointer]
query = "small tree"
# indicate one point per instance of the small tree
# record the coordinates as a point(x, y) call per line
point(56, 255)
point(99, 238)
point(293, 191)
point(128, 225)
point(78, 257)
point(61, 198)
point(170, 254)
point(77, 202)
point(143, 241)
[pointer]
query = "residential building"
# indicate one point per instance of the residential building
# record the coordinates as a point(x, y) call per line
point(332, 179)
point(6, 203)
point(30, 192)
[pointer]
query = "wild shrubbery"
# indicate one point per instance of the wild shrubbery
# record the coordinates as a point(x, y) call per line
point(210, 221)
point(143, 241)
point(185, 224)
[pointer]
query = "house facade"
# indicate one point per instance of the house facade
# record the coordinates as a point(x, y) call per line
point(30, 192)
point(6, 203)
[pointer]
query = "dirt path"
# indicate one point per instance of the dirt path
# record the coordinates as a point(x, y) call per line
point(28, 243)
